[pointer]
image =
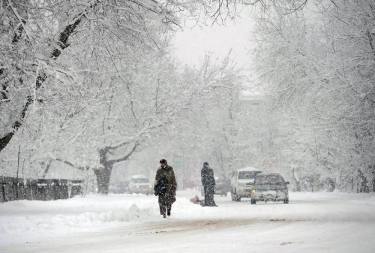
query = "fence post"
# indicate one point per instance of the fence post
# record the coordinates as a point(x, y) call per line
point(64, 192)
point(76, 188)
point(2, 189)
point(41, 189)
point(20, 189)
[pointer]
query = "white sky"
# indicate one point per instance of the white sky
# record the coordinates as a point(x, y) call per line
point(192, 44)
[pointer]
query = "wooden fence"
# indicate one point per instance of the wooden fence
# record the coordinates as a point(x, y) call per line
point(38, 189)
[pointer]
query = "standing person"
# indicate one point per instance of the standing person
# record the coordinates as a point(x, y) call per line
point(165, 187)
point(208, 182)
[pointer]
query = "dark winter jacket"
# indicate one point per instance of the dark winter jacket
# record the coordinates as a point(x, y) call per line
point(207, 176)
point(171, 179)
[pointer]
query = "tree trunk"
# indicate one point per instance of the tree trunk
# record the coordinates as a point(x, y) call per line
point(103, 172)
point(296, 180)
point(363, 185)
point(103, 176)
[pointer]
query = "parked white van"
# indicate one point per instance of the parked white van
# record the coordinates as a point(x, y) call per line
point(242, 182)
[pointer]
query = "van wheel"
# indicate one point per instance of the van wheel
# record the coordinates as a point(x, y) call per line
point(238, 199)
point(253, 202)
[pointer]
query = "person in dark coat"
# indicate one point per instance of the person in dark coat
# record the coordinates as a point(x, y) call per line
point(165, 187)
point(208, 182)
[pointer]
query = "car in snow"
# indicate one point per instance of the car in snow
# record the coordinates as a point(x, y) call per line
point(270, 187)
point(222, 187)
point(120, 187)
point(140, 184)
point(242, 182)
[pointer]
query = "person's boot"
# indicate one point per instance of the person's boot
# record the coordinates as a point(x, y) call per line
point(162, 211)
point(169, 208)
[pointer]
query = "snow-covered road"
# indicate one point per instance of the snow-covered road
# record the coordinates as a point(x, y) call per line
point(312, 222)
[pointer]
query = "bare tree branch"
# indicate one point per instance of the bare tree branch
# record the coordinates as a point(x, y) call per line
point(124, 158)
point(72, 165)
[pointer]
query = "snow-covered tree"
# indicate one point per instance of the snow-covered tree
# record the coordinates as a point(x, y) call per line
point(317, 63)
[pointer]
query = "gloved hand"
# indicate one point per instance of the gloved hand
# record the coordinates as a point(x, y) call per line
point(156, 194)
point(173, 198)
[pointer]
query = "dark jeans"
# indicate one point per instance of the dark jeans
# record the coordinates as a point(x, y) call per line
point(209, 195)
point(164, 209)
point(165, 204)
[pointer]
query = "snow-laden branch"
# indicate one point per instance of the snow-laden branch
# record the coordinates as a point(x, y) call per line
point(62, 41)
point(73, 165)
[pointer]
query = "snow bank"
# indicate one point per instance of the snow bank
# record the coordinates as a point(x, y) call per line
point(47, 222)
point(34, 219)
point(81, 213)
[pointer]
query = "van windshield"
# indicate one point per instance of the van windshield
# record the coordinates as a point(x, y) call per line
point(140, 180)
point(247, 174)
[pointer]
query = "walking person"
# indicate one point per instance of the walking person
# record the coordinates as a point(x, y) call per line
point(165, 187)
point(208, 182)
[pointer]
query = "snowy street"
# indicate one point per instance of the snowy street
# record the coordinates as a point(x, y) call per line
point(312, 222)
point(105, 103)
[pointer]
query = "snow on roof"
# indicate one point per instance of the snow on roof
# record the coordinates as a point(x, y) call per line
point(270, 174)
point(249, 169)
point(139, 176)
